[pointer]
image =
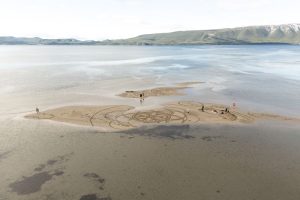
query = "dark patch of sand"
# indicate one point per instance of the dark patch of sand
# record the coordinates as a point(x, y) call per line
point(162, 131)
point(93, 197)
point(32, 183)
point(40, 168)
point(4, 154)
point(91, 175)
point(101, 180)
point(94, 176)
point(89, 197)
point(58, 173)
point(210, 138)
point(51, 162)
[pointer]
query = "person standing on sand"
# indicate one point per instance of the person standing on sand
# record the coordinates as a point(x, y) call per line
point(141, 98)
point(37, 110)
point(233, 105)
point(202, 108)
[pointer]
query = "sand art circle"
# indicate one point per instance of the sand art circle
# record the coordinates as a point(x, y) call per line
point(166, 115)
point(152, 116)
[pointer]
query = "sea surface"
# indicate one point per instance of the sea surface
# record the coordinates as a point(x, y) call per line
point(257, 77)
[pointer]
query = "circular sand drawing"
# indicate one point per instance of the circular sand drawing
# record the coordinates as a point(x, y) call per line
point(152, 116)
point(159, 116)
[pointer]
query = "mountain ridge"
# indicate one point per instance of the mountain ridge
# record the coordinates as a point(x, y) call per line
point(287, 34)
point(10, 40)
point(266, 34)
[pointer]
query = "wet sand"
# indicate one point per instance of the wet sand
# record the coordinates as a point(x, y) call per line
point(252, 161)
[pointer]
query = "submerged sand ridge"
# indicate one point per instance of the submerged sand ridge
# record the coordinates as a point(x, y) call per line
point(123, 117)
point(160, 91)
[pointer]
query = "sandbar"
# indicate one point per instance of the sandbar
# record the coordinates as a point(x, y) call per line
point(124, 117)
point(159, 91)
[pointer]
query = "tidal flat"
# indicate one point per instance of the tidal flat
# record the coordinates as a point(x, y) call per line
point(57, 159)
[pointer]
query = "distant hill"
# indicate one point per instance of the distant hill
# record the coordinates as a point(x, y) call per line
point(39, 41)
point(274, 34)
point(289, 34)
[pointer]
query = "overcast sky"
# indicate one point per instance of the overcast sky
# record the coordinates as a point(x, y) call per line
point(110, 19)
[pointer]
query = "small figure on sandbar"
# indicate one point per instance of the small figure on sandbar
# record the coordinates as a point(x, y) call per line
point(234, 105)
point(37, 110)
point(141, 98)
point(202, 108)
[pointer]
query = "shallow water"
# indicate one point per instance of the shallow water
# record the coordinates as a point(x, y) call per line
point(259, 78)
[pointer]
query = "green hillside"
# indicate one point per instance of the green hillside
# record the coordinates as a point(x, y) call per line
point(289, 34)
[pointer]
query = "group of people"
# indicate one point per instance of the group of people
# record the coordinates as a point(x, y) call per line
point(225, 111)
point(222, 111)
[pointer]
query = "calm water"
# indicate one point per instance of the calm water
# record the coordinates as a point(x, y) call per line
point(260, 78)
